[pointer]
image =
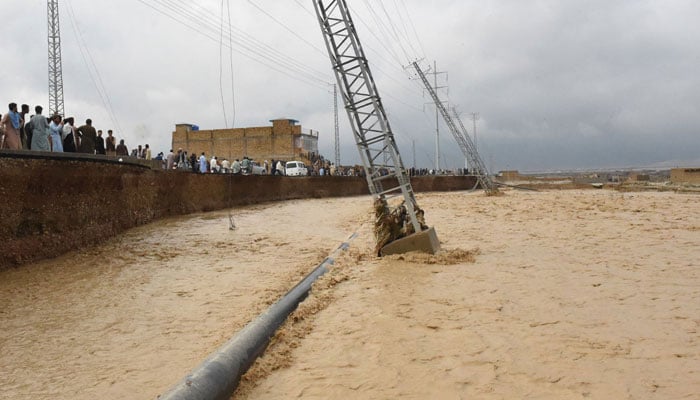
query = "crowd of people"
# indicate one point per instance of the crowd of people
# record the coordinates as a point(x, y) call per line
point(184, 161)
point(20, 131)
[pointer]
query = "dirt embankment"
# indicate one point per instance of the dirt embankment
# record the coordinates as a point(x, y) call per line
point(54, 205)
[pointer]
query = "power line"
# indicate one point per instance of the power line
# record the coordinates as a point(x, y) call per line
point(386, 38)
point(247, 40)
point(387, 26)
point(395, 30)
point(256, 51)
point(396, 64)
point(221, 65)
point(96, 78)
point(413, 26)
point(195, 18)
point(305, 9)
point(243, 39)
point(230, 53)
point(290, 30)
point(405, 29)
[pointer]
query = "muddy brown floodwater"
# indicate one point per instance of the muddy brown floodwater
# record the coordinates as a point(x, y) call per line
point(549, 295)
point(569, 295)
point(128, 319)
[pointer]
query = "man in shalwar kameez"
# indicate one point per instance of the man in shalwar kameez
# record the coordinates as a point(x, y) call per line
point(40, 131)
point(11, 122)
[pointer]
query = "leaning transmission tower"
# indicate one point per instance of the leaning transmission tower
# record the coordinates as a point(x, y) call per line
point(55, 69)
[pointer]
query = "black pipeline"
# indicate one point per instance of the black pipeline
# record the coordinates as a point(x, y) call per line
point(217, 377)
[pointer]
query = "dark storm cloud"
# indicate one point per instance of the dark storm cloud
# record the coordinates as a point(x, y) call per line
point(580, 84)
point(558, 84)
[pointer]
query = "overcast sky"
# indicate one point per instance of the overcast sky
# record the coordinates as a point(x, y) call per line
point(557, 84)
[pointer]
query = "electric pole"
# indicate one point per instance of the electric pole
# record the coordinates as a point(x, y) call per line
point(437, 125)
point(414, 154)
point(337, 127)
point(55, 63)
point(475, 117)
point(435, 74)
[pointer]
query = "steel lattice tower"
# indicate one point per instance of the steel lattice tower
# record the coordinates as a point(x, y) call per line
point(55, 63)
point(461, 136)
point(370, 126)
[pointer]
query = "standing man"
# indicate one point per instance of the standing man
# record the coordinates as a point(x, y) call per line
point(56, 134)
point(202, 164)
point(28, 129)
point(111, 144)
point(11, 123)
point(148, 152)
point(212, 165)
point(280, 168)
point(193, 162)
point(122, 150)
point(40, 131)
point(88, 136)
point(24, 135)
point(100, 144)
point(170, 160)
point(70, 144)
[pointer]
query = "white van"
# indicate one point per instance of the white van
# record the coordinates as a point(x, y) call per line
point(295, 168)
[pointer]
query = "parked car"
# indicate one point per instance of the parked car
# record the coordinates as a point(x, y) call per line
point(250, 167)
point(295, 168)
point(257, 169)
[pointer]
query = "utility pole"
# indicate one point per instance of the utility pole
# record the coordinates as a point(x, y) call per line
point(437, 125)
point(435, 74)
point(475, 117)
point(337, 126)
point(414, 154)
point(55, 63)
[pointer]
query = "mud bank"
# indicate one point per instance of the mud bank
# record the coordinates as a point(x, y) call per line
point(52, 205)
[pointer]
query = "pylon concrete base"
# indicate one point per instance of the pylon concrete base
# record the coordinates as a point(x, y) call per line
point(425, 241)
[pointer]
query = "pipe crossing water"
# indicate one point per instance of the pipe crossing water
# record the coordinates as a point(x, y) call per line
point(217, 377)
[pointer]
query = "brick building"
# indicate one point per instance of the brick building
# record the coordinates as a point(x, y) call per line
point(638, 177)
point(284, 140)
point(685, 175)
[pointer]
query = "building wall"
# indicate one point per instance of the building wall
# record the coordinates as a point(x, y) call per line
point(259, 143)
point(685, 175)
point(69, 201)
point(635, 177)
point(510, 175)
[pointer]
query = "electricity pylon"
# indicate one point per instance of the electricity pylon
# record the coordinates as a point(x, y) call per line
point(55, 63)
point(370, 126)
point(461, 136)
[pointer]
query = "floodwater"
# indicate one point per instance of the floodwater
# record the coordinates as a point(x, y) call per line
point(549, 295)
point(129, 318)
point(569, 295)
